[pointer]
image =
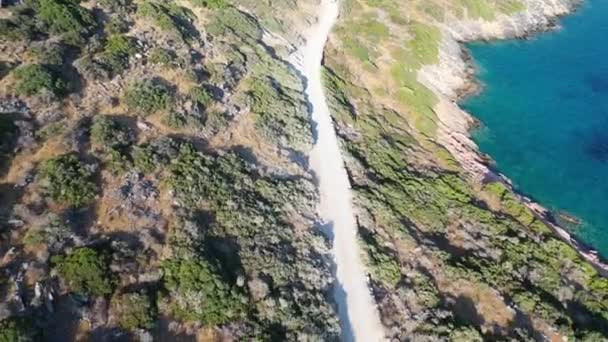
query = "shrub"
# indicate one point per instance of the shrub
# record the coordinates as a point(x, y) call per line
point(159, 152)
point(68, 181)
point(161, 56)
point(32, 79)
point(117, 25)
point(175, 120)
point(213, 4)
point(108, 133)
point(200, 292)
point(21, 27)
point(53, 232)
point(147, 97)
point(232, 21)
point(169, 17)
point(117, 50)
point(17, 330)
point(85, 271)
point(134, 311)
point(49, 54)
point(67, 18)
point(201, 96)
point(121, 6)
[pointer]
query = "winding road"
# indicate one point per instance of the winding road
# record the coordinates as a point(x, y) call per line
point(358, 313)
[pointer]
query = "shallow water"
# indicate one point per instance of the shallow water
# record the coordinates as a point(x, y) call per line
point(544, 111)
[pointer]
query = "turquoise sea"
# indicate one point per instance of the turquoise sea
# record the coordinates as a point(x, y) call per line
point(544, 110)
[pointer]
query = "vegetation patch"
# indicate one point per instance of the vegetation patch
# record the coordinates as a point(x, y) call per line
point(116, 53)
point(68, 181)
point(85, 271)
point(33, 79)
point(108, 133)
point(66, 18)
point(134, 310)
point(169, 17)
point(200, 293)
point(18, 329)
point(147, 97)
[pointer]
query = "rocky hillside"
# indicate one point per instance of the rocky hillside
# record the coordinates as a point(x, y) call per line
point(153, 181)
point(454, 254)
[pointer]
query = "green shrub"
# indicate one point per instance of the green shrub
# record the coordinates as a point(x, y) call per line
point(200, 292)
point(169, 17)
point(121, 6)
point(117, 50)
point(54, 129)
point(49, 54)
point(143, 159)
point(175, 120)
point(85, 271)
point(147, 97)
point(108, 133)
point(134, 311)
point(147, 157)
point(213, 4)
point(117, 25)
point(53, 231)
point(232, 21)
point(18, 330)
point(32, 79)
point(281, 115)
point(201, 96)
point(67, 18)
point(68, 181)
point(21, 27)
point(161, 56)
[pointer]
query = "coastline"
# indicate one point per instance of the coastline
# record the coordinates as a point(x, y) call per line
point(455, 124)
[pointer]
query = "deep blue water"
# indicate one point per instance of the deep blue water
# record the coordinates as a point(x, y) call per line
point(544, 111)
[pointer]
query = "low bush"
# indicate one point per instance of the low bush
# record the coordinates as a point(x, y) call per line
point(22, 26)
point(33, 79)
point(117, 50)
point(17, 329)
point(147, 97)
point(199, 292)
point(108, 133)
point(49, 54)
point(53, 232)
point(201, 96)
point(175, 120)
point(169, 17)
point(68, 181)
point(148, 157)
point(134, 310)
point(213, 4)
point(161, 56)
point(85, 271)
point(66, 18)
point(117, 25)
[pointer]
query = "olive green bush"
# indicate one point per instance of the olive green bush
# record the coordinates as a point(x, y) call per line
point(135, 310)
point(108, 133)
point(32, 79)
point(117, 50)
point(147, 97)
point(17, 329)
point(66, 18)
point(169, 17)
point(68, 181)
point(199, 292)
point(85, 271)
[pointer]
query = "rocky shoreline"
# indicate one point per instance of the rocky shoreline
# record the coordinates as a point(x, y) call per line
point(454, 78)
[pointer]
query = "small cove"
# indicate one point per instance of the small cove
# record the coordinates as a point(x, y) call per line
point(544, 110)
